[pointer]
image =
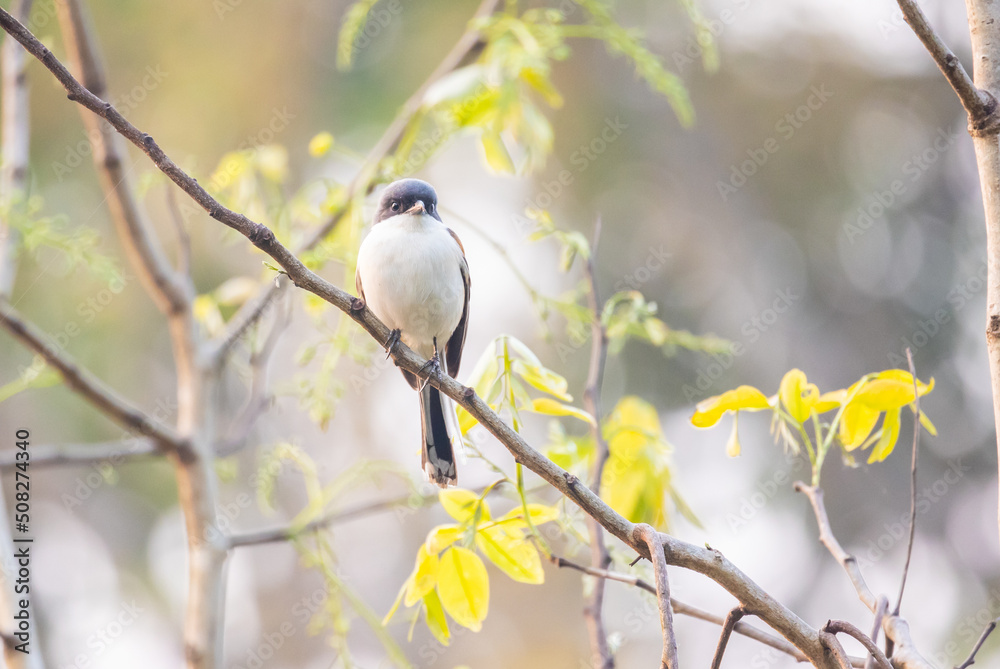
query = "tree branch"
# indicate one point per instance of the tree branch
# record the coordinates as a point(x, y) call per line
point(727, 630)
point(971, 660)
point(652, 539)
point(705, 561)
point(600, 557)
point(979, 104)
point(112, 452)
point(90, 387)
point(896, 628)
point(844, 627)
point(880, 611)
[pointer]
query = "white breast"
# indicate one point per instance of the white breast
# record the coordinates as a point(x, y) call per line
point(411, 273)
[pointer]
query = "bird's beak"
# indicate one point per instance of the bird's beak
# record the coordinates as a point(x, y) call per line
point(417, 208)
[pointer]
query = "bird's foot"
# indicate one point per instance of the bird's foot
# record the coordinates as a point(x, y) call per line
point(390, 344)
point(431, 368)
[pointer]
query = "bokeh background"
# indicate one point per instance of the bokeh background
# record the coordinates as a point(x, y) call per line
point(860, 270)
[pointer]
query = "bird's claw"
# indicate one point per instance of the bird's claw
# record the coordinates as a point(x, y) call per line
point(390, 344)
point(432, 368)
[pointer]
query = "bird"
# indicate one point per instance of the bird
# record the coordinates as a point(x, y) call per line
point(413, 275)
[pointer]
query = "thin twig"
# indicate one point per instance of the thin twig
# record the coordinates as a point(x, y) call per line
point(913, 480)
point(681, 608)
point(880, 611)
point(600, 557)
point(979, 104)
point(971, 660)
point(258, 398)
point(113, 453)
point(654, 544)
point(842, 626)
point(727, 631)
point(826, 536)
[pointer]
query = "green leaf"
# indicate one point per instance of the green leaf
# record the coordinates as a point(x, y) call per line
point(351, 27)
point(543, 379)
point(43, 378)
point(464, 587)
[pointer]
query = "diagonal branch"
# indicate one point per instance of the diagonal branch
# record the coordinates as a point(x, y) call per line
point(971, 660)
point(826, 536)
point(654, 543)
point(89, 386)
point(688, 556)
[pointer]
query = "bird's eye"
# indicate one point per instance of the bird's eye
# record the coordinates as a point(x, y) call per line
point(394, 206)
point(430, 208)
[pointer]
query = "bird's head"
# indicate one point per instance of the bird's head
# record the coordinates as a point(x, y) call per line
point(407, 197)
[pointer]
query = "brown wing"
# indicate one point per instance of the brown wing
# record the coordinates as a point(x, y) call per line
point(357, 284)
point(453, 349)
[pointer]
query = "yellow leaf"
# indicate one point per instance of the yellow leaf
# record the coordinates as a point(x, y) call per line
point(320, 145)
point(745, 398)
point(798, 396)
point(831, 400)
point(928, 425)
point(890, 433)
point(636, 413)
point(543, 379)
point(497, 157)
point(621, 487)
point(856, 424)
point(466, 421)
point(461, 504)
point(464, 587)
point(512, 553)
point(443, 536)
point(550, 407)
point(541, 83)
point(437, 623)
point(395, 604)
point(539, 513)
point(424, 576)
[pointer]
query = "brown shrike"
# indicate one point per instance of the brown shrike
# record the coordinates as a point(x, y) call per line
point(413, 275)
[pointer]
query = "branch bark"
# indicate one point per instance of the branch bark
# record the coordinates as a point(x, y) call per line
point(727, 631)
point(844, 627)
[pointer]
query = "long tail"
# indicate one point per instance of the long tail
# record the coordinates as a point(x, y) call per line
point(438, 458)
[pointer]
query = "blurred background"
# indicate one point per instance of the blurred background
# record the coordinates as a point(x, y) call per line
point(823, 211)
